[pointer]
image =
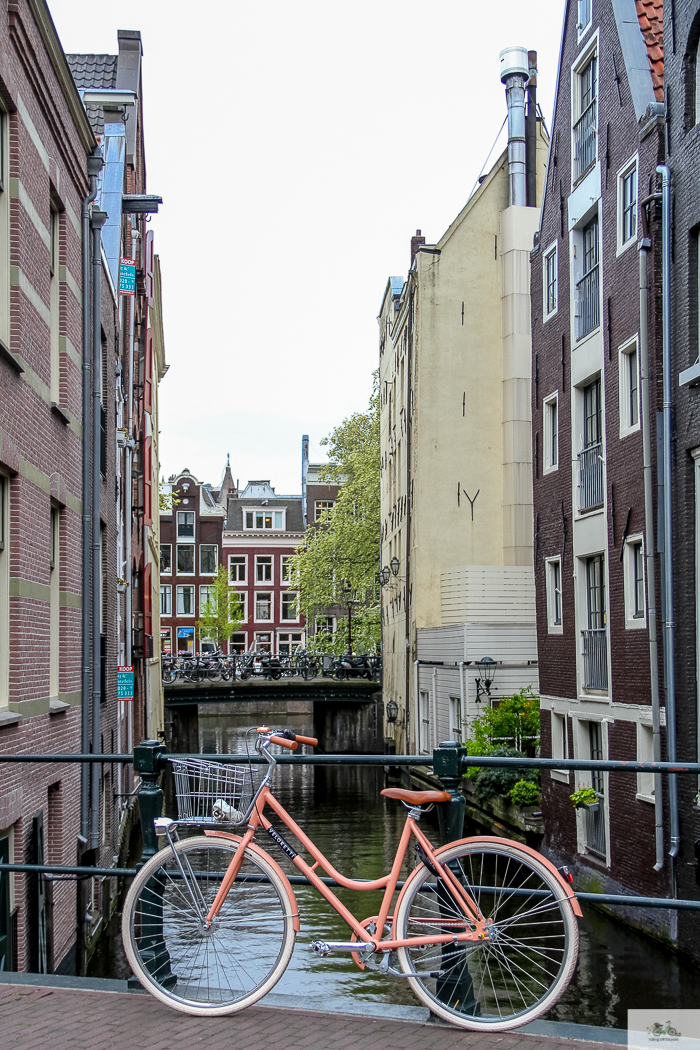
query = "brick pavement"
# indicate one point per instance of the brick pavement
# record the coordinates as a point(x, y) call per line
point(40, 1018)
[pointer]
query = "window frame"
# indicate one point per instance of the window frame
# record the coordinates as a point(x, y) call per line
point(455, 705)
point(286, 563)
point(203, 572)
point(589, 52)
point(284, 597)
point(204, 591)
point(164, 547)
point(185, 539)
point(179, 590)
point(583, 27)
point(256, 598)
point(632, 166)
point(645, 753)
point(550, 408)
point(264, 561)
point(185, 547)
point(324, 504)
point(166, 590)
point(559, 731)
point(553, 575)
point(625, 352)
point(243, 640)
point(190, 634)
point(552, 252)
point(271, 511)
point(243, 595)
point(166, 633)
point(238, 559)
point(634, 550)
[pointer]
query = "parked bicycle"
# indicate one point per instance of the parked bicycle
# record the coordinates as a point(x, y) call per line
point(484, 929)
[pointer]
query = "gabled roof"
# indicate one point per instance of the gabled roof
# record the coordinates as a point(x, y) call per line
point(651, 23)
point(95, 72)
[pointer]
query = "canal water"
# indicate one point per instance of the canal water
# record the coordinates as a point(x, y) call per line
point(342, 811)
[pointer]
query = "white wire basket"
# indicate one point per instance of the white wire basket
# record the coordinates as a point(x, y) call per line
point(214, 793)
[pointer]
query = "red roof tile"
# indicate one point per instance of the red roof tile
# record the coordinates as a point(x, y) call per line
point(651, 22)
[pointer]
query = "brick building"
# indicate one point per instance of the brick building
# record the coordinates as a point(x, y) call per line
point(595, 324)
point(46, 140)
point(317, 498)
point(190, 554)
point(683, 131)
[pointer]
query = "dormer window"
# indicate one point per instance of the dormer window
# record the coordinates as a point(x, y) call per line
point(264, 519)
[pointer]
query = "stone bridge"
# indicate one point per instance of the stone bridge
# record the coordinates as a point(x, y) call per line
point(348, 716)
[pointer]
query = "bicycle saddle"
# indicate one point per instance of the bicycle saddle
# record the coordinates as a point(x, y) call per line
point(416, 798)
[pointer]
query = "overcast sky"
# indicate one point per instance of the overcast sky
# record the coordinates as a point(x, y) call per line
point(297, 147)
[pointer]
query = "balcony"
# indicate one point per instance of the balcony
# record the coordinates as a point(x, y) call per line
point(587, 303)
point(591, 478)
point(585, 142)
point(595, 659)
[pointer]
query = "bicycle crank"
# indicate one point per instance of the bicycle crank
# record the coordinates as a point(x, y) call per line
point(324, 948)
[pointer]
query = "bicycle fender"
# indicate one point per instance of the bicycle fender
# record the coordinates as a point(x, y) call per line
point(492, 840)
point(261, 852)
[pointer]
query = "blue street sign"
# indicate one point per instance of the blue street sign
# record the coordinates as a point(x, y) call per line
point(125, 683)
point(127, 277)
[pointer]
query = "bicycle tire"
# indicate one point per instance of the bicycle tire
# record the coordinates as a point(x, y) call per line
point(501, 982)
point(248, 947)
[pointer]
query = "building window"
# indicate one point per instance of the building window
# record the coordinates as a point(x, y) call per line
point(456, 719)
point(551, 433)
point(205, 593)
point(287, 644)
point(54, 601)
point(628, 366)
point(166, 559)
point(584, 16)
point(185, 559)
point(627, 206)
point(289, 606)
point(239, 605)
point(185, 525)
point(166, 600)
point(166, 640)
point(185, 640)
point(4, 590)
point(424, 721)
point(208, 557)
point(645, 753)
point(560, 745)
point(286, 567)
point(325, 625)
point(263, 642)
point(587, 304)
point(635, 592)
point(263, 605)
point(590, 460)
point(185, 601)
point(585, 131)
point(263, 568)
point(264, 519)
point(550, 282)
point(237, 568)
point(595, 821)
point(238, 643)
point(595, 646)
point(554, 603)
point(321, 506)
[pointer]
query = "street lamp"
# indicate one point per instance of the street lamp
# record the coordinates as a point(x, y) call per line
point(395, 565)
point(392, 711)
point(487, 670)
point(384, 576)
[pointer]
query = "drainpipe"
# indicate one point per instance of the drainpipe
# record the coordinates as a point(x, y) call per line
point(644, 246)
point(515, 73)
point(146, 659)
point(462, 693)
point(416, 711)
point(669, 625)
point(97, 221)
point(531, 131)
point(434, 733)
point(94, 166)
point(407, 578)
point(128, 512)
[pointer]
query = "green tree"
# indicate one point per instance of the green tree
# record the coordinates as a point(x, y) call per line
point(221, 612)
point(340, 557)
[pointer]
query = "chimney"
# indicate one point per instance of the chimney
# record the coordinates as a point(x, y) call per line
point(515, 73)
point(415, 244)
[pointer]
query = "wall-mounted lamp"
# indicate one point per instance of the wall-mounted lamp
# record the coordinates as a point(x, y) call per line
point(487, 670)
point(392, 712)
point(395, 564)
point(384, 575)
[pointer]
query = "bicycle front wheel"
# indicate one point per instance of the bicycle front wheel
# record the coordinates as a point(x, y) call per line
point(232, 964)
point(525, 963)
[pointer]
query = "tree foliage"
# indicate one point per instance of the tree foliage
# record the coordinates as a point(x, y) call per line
point(515, 722)
point(340, 557)
point(221, 612)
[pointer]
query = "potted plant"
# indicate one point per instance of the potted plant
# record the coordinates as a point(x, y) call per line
point(585, 798)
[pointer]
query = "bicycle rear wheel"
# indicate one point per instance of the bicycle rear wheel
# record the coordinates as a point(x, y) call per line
point(207, 972)
point(529, 957)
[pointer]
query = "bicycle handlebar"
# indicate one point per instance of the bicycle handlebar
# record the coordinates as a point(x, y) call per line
point(291, 744)
point(286, 738)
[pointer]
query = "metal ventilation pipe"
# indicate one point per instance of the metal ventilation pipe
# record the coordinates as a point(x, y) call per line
point(515, 73)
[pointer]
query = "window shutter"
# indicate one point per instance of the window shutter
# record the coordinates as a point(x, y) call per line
point(149, 267)
point(148, 599)
point(148, 482)
point(148, 372)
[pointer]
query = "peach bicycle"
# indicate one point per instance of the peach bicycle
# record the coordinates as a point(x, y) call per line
point(483, 929)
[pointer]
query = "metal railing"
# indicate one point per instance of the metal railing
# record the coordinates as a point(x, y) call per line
point(595, 658)
point(588, 302)
point(585, 134)
point(591, 478)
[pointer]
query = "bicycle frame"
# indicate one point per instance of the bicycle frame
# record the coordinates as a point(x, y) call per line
point(473, 916)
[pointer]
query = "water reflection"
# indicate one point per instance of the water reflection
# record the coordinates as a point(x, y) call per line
point(342, 811)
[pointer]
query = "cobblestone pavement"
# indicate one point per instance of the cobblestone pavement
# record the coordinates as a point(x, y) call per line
point(39, 1018)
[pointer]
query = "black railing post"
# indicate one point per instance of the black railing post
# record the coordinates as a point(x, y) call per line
point(148, 763)
point(447, 766)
